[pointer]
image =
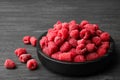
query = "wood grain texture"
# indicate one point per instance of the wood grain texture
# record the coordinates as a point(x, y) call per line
point(33, 17)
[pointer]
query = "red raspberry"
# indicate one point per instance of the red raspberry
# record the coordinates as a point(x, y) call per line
point(65, 57)
point(51, 35)
point(90, 47)
point(73, 27)
point(105, 45)
point(79, 58)
point(96, 26)
point(43, 42)
point(73, 42)
point(26, 39)
point(25, 57)
point(98, 32)
point(58, 22)
point(58, 26)
point(74, 34)
point(73, 52)
point(105, 36)
point(84, 34)
point(63, 33)
point(9, 64)
point(58, 40)
point(46, 51)
point(101, 51)
point(56, 55)
point(20, 51)
point(65, 25)
point(72, 22)
point(52, 47)
point(96, 40)
point(83, 22)
point(65, 47)
point(81, 41)
point(92, 56)
point(80, 49)
point(32, 64)
point(90, 28)
point(33, 41)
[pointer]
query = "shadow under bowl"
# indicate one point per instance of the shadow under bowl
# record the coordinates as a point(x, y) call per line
point(75, 68)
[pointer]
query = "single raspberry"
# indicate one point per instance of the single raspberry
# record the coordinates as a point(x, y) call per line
point(98, 32)
point(101, 51)
point(80, 49)
point(56, 55)
point(73, 27)
point(74, 34)
point(26, 39)
point(63, 33)
point(9, 64)
point(83, 22)
point(32, 64)
point(43, 42)
point(96, 40)
point(72, 22)
point(79, 58)
point(58, 26)
point(90, 47)
point(81, 41)
point(73, 52)
point(65, 47)
point(65, 25)
point(25, 57)
point(90, 28)
point(51, 35)
point(105, 45)
point(96, 26)
point(58, 40)
point(20, 51)
point(46, 51)
point(84, 34)
point(33, 41)
point(65, 57)
point(73, 42)
point(52, 47)
point(92, 56)
point(105, 36)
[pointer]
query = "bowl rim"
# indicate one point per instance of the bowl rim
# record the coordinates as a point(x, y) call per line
point(73, 63)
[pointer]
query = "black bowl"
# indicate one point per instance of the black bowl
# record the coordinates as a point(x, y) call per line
point(76, 69)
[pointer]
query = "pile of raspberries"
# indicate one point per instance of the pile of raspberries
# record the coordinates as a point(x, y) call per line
point(73, 42)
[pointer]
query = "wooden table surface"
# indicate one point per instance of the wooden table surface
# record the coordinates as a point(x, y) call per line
point(33, 17)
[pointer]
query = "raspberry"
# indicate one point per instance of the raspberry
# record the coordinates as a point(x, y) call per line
point(96, 26)
point(73, 52)
point(72, 22)
point(92, 56)
point(74, 34)
point(96, 40)
point(58, 26)
point(26, 39)
point(80, 49)
point(33, 41)
point(101, 51)
point(9, 64)
point(56, 55)
point(73, 42)
point(90, 28)
point(65, 47)
point(58, 40)
point(90, 47)
point(65, 25)
point(73, 27)
point(81, 41)
point(84, 22)
point(98, 32)
point(105, 36)
point(52, 47)
point(32, 64)
point(79, 58)
point(20, 51)
point(25, 57)
point(105, 45)
point(84, 34)
point(63, 33)
point(51, 34)
point(65, 57)
point(43, 41)
point(46, 51)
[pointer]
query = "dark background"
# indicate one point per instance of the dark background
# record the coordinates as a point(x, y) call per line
point(33, 17)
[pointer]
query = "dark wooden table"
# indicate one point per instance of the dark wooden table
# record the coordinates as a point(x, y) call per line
point(33, 17)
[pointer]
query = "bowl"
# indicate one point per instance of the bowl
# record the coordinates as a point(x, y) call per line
point(75, 68)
